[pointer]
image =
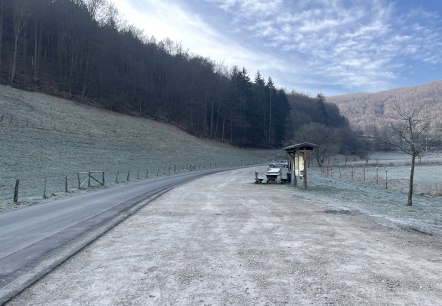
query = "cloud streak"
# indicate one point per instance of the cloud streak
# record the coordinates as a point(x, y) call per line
point(333, 46)
point(172, 19)
point(362, 44)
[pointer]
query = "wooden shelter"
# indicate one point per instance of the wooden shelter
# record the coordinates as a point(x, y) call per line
point(299, 159)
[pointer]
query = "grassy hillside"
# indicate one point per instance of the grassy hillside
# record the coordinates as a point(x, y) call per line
point(365, 109)
point(43, 136)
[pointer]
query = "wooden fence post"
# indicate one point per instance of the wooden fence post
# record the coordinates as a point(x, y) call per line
point(364, 173)
point(386, 178)
point(377, 175)
point(128, 175)
point(103, 179)
point(79, 183)
point(89, 179)
point(116, 177)
point(17, 183)
point(66, 184)
point(158, 172)
point(147, 173)
point(44, 190)
point(138, 174)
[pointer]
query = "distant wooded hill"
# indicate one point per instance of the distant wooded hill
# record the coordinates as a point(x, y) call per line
point(364, 110)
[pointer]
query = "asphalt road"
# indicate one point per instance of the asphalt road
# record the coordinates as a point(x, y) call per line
point(36, 239)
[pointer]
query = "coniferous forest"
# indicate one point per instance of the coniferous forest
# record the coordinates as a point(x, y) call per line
point(82, 50)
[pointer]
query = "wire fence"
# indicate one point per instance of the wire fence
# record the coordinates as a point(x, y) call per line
point(392, 175)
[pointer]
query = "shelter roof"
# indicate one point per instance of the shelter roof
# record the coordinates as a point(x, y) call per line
point(303, 146)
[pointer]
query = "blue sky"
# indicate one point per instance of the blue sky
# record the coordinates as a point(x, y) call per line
point(310, 46)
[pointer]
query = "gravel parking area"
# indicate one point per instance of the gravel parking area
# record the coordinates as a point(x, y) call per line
point(222, 240)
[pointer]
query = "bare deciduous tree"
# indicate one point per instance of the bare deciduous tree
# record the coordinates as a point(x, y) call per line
point(409, 131)
point(2, 13)
point(20, 11)
point(323, 136)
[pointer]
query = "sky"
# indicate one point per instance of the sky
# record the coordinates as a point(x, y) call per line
point(309, 46)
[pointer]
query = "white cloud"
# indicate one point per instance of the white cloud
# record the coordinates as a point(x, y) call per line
point(362, 43)
point(170, 19)
point(304, 44)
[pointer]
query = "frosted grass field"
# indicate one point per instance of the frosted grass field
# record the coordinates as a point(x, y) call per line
point(338, 188)
point(389, 205)
point(395, 167)
point(42, 136)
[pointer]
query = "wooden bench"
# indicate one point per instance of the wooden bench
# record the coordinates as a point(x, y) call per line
point(258, 180)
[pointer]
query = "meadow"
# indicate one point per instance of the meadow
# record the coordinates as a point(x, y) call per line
point(44, 138)
point(361, 187)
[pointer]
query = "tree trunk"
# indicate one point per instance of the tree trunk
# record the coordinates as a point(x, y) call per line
point(24, 51)
point(217, 119)
point(223, 129)
point(19, 23)
point(37, 51)
point(270, 118)
point(212, 111)
point(14, 60)
point(85, 75)
point(1, 34)
point(70, 74)
point(410, 186)
point(231, 131)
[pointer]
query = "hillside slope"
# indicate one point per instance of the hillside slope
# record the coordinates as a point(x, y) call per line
point(364, 110)
point(42, 136)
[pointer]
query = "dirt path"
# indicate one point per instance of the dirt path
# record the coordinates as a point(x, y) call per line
point(223, 240)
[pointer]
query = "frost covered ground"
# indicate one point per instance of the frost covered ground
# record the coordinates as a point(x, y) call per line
point(370, 194)
point(42, 136)
point(396, 168)
point(222, 240)
point(389, 205)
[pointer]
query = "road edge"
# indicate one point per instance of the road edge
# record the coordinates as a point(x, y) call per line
point(8, 292)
